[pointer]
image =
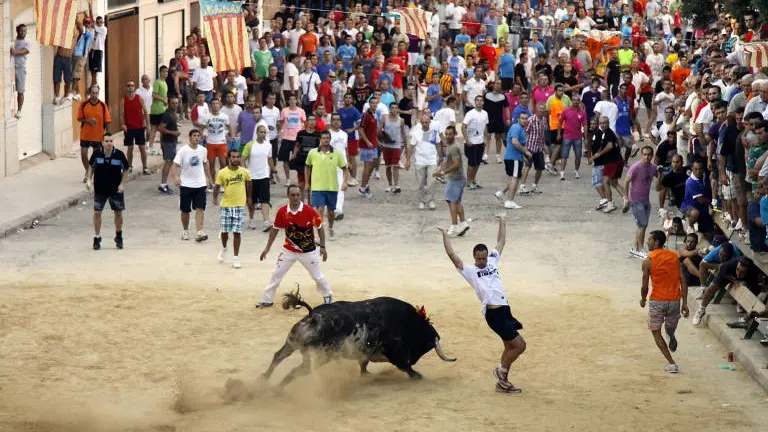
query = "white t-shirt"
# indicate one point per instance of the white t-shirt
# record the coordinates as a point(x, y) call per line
point(216, 127)
point(232, 113)
point(99, 37)
point(608, 109)
point(193, 63)
point(663, 100)
point(476, 121)
point(258, 160)
point(705, 118)
point(146, 96)
point(241, 86)
point(290, 71)
point(666, 22)
point(203, 78)
point(444, 117)
point(271, 116)
point(425, 144)
point(486, 282)
point(308, 81)
point(293, 36)
point(474, 87)
point(192, 163)
point(339, 142)
point(458, 17)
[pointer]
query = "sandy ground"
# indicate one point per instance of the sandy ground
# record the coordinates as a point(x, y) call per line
point(145, 339)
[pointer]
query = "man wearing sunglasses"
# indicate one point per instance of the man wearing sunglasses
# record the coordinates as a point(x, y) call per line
point(134, 119)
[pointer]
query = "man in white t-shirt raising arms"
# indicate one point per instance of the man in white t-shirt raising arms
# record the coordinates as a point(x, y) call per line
point(339, 142)
point(484, 277)
point(475, 123)
point(192, 177)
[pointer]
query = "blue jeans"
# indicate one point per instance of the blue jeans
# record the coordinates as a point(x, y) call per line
point(565, 151)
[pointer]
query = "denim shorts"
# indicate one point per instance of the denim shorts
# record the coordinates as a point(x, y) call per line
point(454, 190)
point(565, 151)
point(368, 155)
point(642, 212)
point(597, 175)
point(324, 199)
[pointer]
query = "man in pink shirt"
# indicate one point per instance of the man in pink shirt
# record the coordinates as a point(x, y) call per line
point(573, 122)
point(543, 91)
point(638, 198)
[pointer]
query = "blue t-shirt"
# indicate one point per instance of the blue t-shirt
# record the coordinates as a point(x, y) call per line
point(590, 99)
point(349, 118)
point(347, 54)
point(461, 38)
point(436, 103)
point(453, 66)
point(516, 113)
point(623, 123)
point(323, 69)
point(713, 257)
point(694, 188)
point(507, 66)
point(517, 132)
point(83, 43)
point(321, 52)
point(277, 53)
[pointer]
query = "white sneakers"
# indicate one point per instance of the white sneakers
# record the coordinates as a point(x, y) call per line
point(699, 315)
point(601, 205)
point(499, 159)
point(265, 226)
point(576, 175)
point(458, 230)
point(252, 224)
point(500, 196)
point(236, 262)
point(185, 235)
point(671, 368)
point(431, 204)
point(511, 205)
point(638, 253)
point(609, 207)
point(222, 253)
point(422, 206)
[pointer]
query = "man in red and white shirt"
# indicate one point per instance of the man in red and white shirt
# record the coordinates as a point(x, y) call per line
point(299, 222)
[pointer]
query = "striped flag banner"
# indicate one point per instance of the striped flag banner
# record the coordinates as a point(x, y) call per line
point(756, 54)
point(224, 27)
point(55, 22)
point(413, 21)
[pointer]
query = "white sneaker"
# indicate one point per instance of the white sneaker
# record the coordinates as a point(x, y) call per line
point(18, 114)
point(222, 252)
point(388, 189)
point(738, 226)
point(452, 231)
point(485, 157)
point(499, 196)
point(252, 224)
point(431, 204)
point(638, 253)
point(352, 182)
point(76, 97)
point(576, 175)
point(662, 213)
point(463, 228)
point(535, 189)
point(700, 294)
point(185, 235)
point(671, 368)
point(523, 190)
point(609, 207)
point(421, 206)
point(511, 205)
point(265, 226)
point(699, 315)
point(499, 159)
point(376, 175)
point(68, 97)
point(602, 204)
point(236, 262)
point(562, 175)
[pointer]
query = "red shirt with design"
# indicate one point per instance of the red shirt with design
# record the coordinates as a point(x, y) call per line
point(299, 227)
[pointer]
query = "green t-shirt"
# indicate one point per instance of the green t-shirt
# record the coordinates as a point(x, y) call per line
point(625, 56)
point(453, 153)
point(324, 169)
point(262, 60)
point(160, 87)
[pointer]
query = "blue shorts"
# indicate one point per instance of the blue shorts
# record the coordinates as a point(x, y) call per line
point(231, 219)
point(324, 199)
point(454, 190)
point(368, 155)
point(565, 151)
point(597, 175)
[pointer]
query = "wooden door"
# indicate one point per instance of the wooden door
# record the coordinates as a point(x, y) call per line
point(122, 60)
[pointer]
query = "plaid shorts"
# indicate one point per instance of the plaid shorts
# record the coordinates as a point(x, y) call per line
point(663, 312)
point(231, 219)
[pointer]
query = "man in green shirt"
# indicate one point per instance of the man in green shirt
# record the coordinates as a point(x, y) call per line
point(262, 58)
point(322, 180)
point(453, 169)
point(158, 107)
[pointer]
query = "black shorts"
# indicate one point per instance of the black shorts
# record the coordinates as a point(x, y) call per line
point(94, 60)
point(474, 154)
point(286, 147)
point(507, 84)
point(553, 138)
point(155, 119)
point(274, 143)
point(136, 136)
point(647, 99)
point(537, 160)
point(86, 144)
point(191, 199)
point(513, 168)
point(116, 201)
point(497, 126)
point(260, 191)
point(501, 321)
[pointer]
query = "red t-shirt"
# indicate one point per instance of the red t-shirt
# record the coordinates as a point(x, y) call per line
point(631, 96)
point(370, 129)
point(374, 79)
point(320, 125)
point(488, 52)
point(299, 227)
point(398, 81)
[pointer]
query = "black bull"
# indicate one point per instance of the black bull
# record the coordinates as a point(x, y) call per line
point(377, 330)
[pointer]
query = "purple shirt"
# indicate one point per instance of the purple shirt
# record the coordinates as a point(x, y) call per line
point(247, 126)
point(641, 177)
point(573, 120)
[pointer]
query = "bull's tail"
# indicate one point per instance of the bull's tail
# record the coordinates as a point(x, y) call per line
point(294, 301)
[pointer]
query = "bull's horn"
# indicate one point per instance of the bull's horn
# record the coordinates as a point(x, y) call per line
point(440, 352)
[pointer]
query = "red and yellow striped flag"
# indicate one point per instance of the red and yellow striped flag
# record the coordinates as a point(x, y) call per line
point(756, 54)
point(55, 21)
point(413, 22)
point(227, 36)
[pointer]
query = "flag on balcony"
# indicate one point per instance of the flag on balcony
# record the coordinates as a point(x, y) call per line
point(224, 28)
point(413, 21)
point(55, 22)
point(756, 54)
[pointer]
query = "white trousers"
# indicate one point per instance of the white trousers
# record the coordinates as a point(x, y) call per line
point(286, 259)
point(340, 195)
point(425, 182)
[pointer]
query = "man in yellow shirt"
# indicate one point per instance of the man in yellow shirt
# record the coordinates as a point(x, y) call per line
point(556, 104)
point(236, 182)
point(322, 179)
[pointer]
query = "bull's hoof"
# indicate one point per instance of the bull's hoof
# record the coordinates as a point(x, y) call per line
point(415, 375)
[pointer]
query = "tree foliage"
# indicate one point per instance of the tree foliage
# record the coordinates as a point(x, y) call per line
point(704, 12)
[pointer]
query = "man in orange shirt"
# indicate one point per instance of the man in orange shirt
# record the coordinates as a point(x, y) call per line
point(94, 117)
point(680, 74)
point(308, 42)
point(669, 298)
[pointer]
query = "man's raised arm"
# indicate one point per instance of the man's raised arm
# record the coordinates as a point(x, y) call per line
point(502, 237)
point(449, 249)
